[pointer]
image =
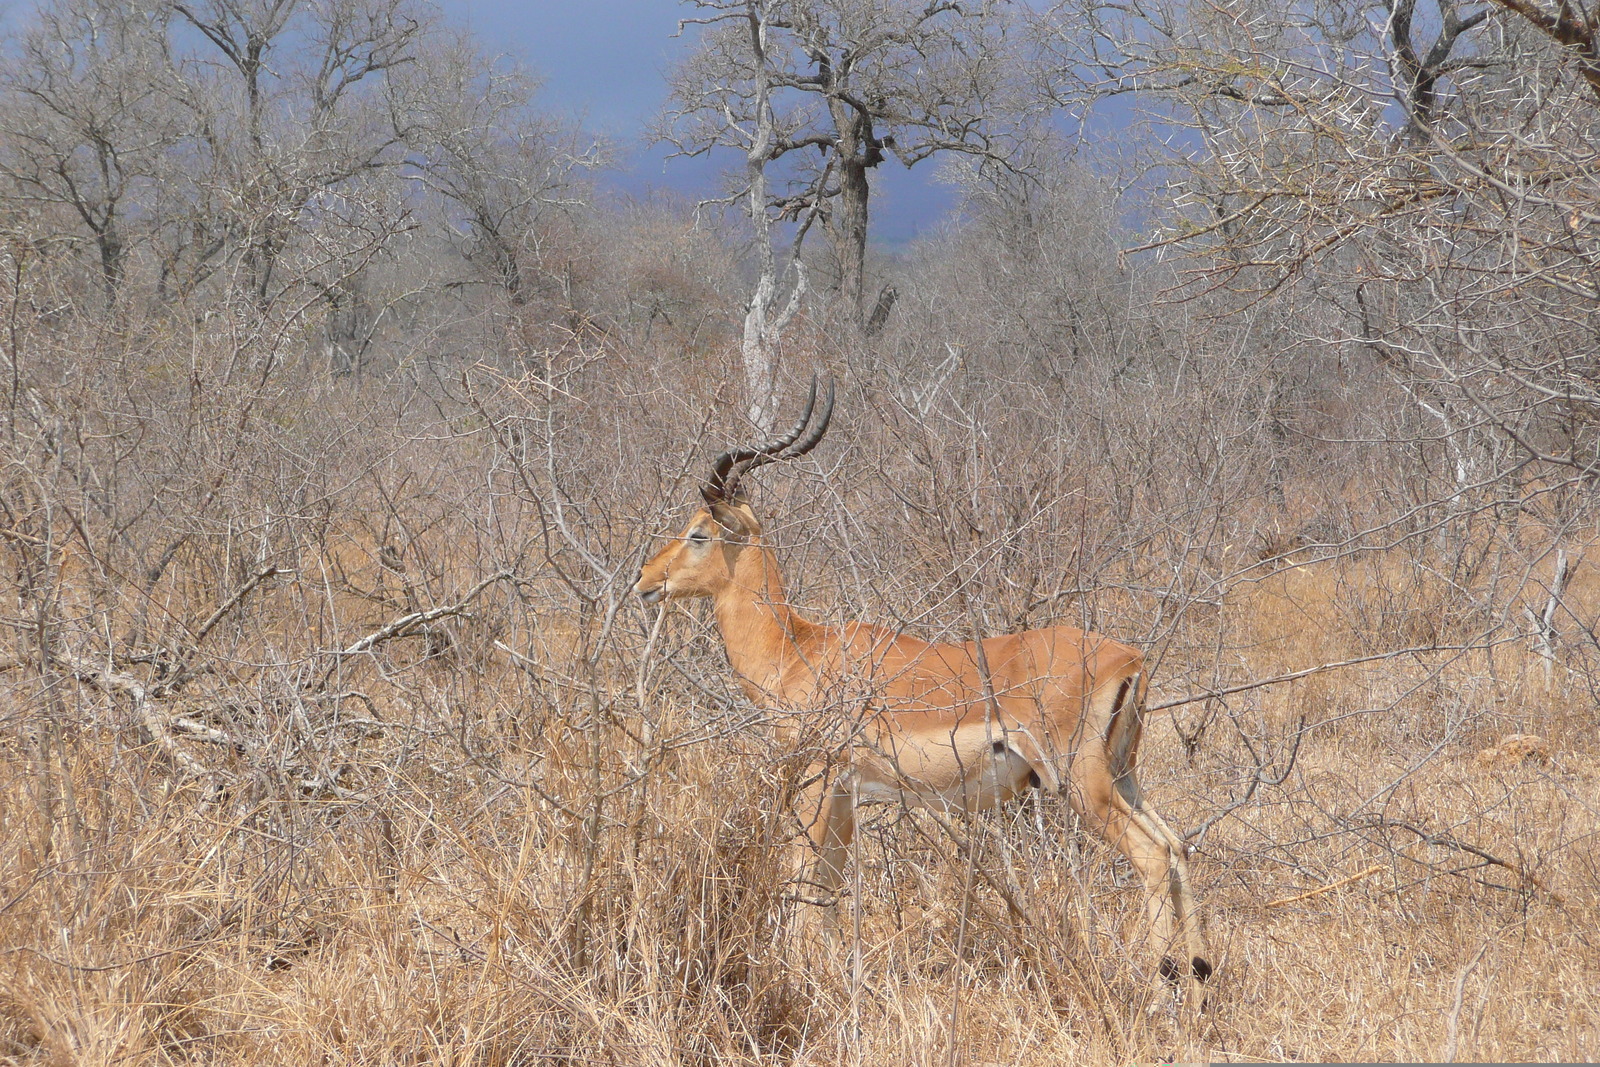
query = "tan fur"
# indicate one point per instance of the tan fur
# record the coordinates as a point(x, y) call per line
point(920, 726)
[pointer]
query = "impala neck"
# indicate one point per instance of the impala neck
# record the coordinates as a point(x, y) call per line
point(759, 628)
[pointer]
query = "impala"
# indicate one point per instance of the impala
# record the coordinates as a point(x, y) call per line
point(951, 726)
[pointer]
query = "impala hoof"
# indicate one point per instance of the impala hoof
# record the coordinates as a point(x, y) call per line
point(1171, 970)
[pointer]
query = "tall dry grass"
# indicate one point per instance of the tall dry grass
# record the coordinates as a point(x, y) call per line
point(519, 828)
point(439, 907)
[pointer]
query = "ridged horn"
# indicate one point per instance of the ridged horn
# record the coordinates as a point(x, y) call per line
point(733, 464)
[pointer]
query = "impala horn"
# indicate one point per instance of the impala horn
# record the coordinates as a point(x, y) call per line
point(735, 463)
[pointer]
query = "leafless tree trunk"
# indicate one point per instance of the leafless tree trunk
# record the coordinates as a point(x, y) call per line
point(764, 319)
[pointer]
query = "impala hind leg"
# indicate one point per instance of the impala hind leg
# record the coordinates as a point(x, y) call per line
point(1127, 797)
point(1115, 809)
point(827, 813)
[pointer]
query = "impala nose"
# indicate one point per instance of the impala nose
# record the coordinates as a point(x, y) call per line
point(649, 596)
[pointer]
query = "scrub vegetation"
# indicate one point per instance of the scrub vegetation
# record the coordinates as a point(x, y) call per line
point(338, 411)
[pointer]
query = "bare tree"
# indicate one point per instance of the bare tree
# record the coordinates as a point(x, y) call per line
point(215, 138)
point(298, 98)
point(85, 124)
point(1427, 177)
point(822, 92)
point(764, 322)
point(498, 166)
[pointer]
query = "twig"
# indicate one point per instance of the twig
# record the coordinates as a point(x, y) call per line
point(642, 682)
point(1258, 779)
point(1453, 1021)
point(1330, 887)
point(1383, 822)
point(525, 662)
point(406, 623)
point(1292, 676)
point(38, 876)
point(18, 535)
point(399, 627)
point(85, 968)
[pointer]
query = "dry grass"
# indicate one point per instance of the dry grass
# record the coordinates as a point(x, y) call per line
point(432, 901)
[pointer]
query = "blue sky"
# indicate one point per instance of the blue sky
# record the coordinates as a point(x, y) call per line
point(605, 61)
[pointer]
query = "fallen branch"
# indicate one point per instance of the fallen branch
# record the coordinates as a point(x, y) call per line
point(110, 681)
point(1330, 887)
point(201, 732)
point(407, 623)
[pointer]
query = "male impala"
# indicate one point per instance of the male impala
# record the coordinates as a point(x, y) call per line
point(966, 725)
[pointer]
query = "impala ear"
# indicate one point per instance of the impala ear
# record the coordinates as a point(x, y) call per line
point(733, 516)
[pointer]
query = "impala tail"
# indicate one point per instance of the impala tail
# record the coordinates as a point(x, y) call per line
point(1125, 726)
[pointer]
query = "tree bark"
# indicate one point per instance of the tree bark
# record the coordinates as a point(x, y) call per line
point(848, 230)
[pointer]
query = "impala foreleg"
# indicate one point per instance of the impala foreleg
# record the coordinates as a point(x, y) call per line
point(827, 810)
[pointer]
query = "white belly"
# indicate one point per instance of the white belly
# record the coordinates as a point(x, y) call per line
point(991, 777)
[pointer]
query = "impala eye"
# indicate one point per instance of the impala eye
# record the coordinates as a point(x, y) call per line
point(699, 537)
